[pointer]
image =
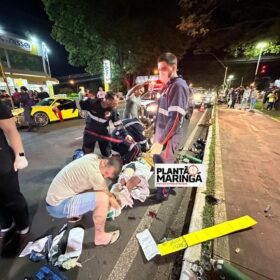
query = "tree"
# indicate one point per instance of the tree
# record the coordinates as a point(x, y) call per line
point(131, 35)
point(233, 26)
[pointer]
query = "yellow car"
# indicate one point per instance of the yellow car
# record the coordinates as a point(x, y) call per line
point(42, 112)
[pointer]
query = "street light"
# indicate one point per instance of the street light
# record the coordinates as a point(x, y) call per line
point(260, 46)
point(230, 78)
point(72, 82)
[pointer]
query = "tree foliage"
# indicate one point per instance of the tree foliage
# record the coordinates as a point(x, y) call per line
point(130, 34)
point(234, 26)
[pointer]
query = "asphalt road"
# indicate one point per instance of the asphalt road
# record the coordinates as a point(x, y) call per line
point(48, 151)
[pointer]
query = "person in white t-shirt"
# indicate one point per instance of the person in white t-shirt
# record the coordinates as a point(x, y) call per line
point(81, 187)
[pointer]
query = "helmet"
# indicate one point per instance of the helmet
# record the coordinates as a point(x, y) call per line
point(78, 154)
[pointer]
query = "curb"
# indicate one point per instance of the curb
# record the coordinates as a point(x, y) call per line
point(193, 253)
point(221, 245)
point(268, 116)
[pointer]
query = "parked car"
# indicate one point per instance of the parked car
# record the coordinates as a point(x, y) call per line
point(42, 112)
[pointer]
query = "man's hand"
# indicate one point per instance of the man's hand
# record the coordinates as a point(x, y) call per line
point(156, 148)
point(114, 202)
point(20, 163)
point(129, 138)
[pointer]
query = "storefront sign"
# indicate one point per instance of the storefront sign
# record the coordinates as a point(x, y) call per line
point(15, 43)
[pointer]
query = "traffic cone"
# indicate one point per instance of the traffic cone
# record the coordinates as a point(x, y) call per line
point(202, 107)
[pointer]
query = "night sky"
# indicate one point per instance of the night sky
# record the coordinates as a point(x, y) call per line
point(23, 17)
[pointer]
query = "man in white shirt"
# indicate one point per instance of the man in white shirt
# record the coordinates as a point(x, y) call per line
point(133, 101)
point(80, 187)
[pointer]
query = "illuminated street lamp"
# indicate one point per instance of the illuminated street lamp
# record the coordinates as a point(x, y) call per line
point(229, 79)
point(72, 82)
point(155, 71)
point(260, 46)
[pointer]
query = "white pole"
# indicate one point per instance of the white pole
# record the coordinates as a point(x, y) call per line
point(257, 68)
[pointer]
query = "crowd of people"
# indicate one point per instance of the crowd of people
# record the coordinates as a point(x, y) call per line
point(81, 186)
point(246, 97)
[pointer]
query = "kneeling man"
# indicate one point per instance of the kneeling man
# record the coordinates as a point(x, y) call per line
point(80, 187)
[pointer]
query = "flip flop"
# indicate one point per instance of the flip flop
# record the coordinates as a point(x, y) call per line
point(115, 237)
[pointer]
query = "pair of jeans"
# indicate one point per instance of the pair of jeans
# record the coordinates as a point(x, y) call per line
point(244, 102)
point(252, 103)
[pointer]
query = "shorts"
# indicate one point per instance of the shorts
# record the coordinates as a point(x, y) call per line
point(73, 206)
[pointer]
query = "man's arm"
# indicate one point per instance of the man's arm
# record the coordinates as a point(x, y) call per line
point(177, 109)
point(9, 128)
point(78, 104)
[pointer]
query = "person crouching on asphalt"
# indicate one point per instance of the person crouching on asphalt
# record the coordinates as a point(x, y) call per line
point(129, 151)
point(172, 107)
point(80, 187)
point(100, 112)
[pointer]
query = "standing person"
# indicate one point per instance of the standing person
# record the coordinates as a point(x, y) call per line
point(42, 94)
point(240, 94)
point(13, 206)
point(172, 107)
point(16, 97)
point(254, 97)
point(133, 101)
point(101, 93)
point(100, 112)
point(234, 96)
point(271, 100)
point(266, 91)
point(80, 187)
point(27, 102)
point(245, 98)
point(277, 83)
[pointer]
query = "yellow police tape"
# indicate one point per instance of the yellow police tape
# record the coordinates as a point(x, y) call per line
point(206, 234)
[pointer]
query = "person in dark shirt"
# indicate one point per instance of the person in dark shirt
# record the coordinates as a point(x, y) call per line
point(42, 94)
point(26, 103)
point(172, 109)
point(129, 151)
point(100, 112)
point(13, 207)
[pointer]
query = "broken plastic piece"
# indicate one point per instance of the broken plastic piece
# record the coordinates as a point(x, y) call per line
point(206, 234)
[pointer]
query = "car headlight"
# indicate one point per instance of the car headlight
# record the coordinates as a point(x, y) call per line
point(152, 108)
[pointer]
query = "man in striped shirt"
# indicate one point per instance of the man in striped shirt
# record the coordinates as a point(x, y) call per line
point(172, 108)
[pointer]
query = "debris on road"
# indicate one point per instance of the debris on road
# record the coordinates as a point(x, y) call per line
point(267, 208)
point(213, 200)
point(237, 250)
point(206, 234)
point(131, 217)
point(148, 244)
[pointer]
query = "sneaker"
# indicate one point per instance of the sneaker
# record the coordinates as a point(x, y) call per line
point(4, 230)
point(23, 231)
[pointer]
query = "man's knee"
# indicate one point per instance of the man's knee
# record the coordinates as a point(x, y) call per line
point(102, 198)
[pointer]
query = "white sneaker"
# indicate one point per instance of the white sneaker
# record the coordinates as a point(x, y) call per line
point(23, 231)
point(3, 230)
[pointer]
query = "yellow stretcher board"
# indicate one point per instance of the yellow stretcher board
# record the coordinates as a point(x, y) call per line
point(206, 234)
